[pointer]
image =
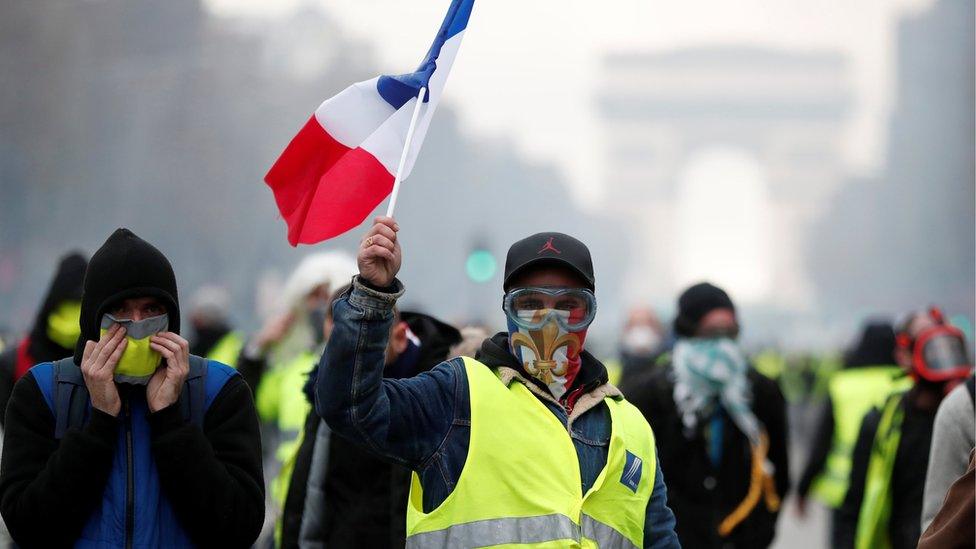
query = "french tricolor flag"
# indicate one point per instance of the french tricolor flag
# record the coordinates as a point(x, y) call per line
point(343, 162)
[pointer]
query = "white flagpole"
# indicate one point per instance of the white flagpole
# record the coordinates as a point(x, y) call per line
point(406, 149)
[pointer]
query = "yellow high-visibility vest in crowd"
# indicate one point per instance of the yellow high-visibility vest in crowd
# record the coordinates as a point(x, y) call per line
point(227, 349)
point(875, 515)
point(853, 391)
point(615, 370)
point(280, 400)
point(520, 485)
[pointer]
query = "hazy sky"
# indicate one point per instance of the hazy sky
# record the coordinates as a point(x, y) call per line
point(529, 70)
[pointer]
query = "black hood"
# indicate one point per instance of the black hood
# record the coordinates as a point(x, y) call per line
point(495, 352)
point(66, 285)
point(125, 266)
point(876, 346)
point(436, 339)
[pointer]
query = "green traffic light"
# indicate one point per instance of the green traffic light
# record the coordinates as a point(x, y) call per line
point(481, 266)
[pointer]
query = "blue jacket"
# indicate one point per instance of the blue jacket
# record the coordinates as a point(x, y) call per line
point(423, 422)
point(139, 480)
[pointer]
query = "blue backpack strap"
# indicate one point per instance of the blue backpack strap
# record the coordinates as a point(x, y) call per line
point(64, 391)
point(203, 384)
point(43, 374)
point(71, 400)
point(194, 393)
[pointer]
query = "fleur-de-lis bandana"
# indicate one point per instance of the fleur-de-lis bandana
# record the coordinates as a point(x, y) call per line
point(551, 354)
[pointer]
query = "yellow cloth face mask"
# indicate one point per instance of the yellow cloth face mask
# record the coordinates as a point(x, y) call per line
point(64, 324)
point(139, 361)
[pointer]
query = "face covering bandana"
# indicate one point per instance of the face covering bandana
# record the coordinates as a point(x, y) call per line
point(710, 372)
point(139, 361)
point(547, 328)
point(63, 324)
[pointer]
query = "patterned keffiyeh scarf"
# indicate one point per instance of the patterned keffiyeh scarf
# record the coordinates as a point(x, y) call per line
point(709, 372)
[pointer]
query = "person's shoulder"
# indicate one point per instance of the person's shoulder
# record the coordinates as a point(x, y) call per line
point(448, 369)
point(42, 373)
point(219, 369)
point(27, 392)
point(757, 377)
point(222, 382)
point(659, 379)
point(958, 403)
point(762, 384)
point(444, 374)
point(651, 390)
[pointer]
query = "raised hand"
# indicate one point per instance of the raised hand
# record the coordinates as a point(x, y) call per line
point(379, 253)
point(166, 384)
point(98, 369)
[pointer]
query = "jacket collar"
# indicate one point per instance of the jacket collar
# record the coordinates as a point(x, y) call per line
point(589, 389)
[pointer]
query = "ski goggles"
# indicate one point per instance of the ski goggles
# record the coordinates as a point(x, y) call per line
point(532, 308)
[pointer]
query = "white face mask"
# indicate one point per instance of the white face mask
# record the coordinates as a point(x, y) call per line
point(640, 340)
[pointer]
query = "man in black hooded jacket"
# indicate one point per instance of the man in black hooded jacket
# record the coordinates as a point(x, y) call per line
point(341, 495)
point(132, 441)
point(55, 330)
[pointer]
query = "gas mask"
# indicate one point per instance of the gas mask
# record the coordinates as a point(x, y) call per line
point(139, 361)
point(63, 324)
point(547, 328)
point(939, 353)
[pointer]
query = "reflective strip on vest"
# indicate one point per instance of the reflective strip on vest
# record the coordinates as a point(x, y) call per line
point(499, 531)
point(521, 530)
point(605, 536)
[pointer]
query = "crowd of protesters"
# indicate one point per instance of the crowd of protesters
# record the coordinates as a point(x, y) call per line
point(346, 421)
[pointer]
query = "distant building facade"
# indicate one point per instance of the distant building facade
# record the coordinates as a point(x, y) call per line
point(747, 135)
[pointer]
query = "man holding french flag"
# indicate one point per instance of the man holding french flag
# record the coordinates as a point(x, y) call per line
point(526, 445)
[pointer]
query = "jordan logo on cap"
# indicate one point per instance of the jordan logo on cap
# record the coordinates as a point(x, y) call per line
point(548, 247)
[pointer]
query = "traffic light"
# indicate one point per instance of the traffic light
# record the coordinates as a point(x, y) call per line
point(481, 265)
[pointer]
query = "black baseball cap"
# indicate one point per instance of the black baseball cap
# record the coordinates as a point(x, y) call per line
point(557, 249)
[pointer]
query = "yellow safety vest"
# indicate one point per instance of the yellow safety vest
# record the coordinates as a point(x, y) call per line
point(520, 485)
point(227, 349)
point(770, 363)
point(875, 514)
point(853, 391)
point(280, 400)
point(614, 371)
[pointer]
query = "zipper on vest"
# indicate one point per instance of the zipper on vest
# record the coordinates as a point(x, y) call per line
point(129, 496)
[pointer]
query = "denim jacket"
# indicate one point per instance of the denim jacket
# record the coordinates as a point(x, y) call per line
point(423, 422)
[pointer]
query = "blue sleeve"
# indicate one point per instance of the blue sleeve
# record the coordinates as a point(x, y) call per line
point(402, 420)
point(659, 520)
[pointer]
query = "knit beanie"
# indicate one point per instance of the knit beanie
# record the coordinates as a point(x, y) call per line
point(696, 302)
point(125, 266)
